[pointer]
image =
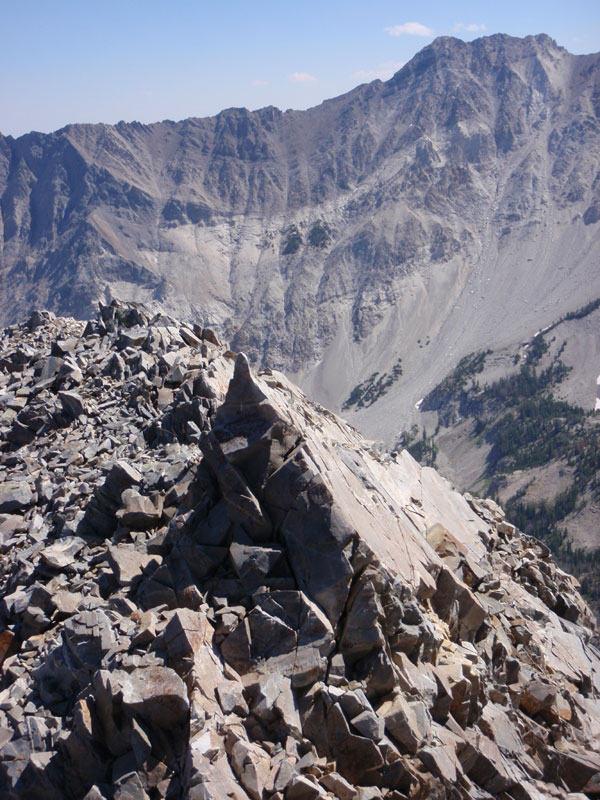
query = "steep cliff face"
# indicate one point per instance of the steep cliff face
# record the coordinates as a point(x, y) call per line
point(212, 587)
point(456, 203)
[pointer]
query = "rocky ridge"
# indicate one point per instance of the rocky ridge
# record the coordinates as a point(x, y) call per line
point(212, 587)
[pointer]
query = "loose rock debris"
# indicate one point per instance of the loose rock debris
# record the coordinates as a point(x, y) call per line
point(212, 587)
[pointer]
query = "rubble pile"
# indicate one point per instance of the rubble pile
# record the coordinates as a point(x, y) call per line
point(213, 588)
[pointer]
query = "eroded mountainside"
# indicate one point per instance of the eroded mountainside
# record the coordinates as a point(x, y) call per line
point(212, 587)
point(411, 222)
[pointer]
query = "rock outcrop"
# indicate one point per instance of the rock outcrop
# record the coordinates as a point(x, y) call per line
point(212, 587)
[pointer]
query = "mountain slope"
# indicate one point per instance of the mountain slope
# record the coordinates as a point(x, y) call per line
point(521, 424)
point(455, 204)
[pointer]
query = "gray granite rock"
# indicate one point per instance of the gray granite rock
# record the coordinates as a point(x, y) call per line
point(216, 588)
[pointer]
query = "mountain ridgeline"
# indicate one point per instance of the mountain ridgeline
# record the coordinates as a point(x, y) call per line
point(455, 205)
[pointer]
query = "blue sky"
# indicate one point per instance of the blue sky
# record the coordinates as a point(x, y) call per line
point(67, 61)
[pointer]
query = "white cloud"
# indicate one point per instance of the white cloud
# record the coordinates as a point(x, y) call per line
point(471, 27)
point(384, 71)
point(409, 28)
point(260, 83)
point(302, 77)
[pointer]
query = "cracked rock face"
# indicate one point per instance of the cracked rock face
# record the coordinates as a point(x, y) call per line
point(213, 588)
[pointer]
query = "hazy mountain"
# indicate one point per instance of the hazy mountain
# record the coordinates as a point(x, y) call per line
point(391, 230)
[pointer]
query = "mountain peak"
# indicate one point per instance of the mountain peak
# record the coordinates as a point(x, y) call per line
point(395, 209)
